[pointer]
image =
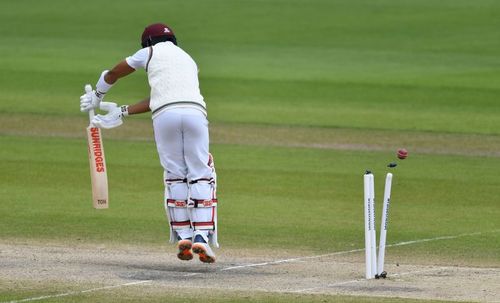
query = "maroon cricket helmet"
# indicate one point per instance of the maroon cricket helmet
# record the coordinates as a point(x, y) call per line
point(157, 32)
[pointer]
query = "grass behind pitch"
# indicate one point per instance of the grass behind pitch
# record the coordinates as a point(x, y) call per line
point(406, 65)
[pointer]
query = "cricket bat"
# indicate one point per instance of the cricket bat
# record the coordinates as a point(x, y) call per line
point(98, 171)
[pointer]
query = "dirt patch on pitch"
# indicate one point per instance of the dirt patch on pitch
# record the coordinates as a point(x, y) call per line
point(249, 271)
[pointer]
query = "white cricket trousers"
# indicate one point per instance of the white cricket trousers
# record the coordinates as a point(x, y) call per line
point(182, 140)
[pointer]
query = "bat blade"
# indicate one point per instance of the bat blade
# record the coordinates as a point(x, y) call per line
point(98, 171)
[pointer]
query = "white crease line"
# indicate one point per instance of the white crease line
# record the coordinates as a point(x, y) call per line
point(294, 259)
point(78, 292)
point(357, 250)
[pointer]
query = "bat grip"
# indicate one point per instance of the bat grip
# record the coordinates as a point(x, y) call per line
point(91, 115)
point(88, 89)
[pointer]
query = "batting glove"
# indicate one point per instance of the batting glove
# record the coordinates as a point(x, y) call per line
point(113, 118)
point(89, 101)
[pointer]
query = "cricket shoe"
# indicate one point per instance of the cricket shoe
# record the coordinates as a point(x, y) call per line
point(203, 250)
point(185, 249)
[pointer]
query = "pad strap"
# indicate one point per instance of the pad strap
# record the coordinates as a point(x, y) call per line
point(204, 225)
point(180, 224)
point(205, 180)
point(196, 203)
point(176, 203)
point(171, 181)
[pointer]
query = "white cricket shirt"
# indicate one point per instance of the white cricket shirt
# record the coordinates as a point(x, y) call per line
point(172, 76)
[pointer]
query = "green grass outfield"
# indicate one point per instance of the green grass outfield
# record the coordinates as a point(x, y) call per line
point(303, 96)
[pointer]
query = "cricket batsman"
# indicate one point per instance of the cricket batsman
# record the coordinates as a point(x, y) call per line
point(181, 133)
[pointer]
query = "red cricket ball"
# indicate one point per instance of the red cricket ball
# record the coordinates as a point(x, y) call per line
point(402, 153)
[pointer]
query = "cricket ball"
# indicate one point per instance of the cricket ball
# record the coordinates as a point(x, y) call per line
point(402, 153)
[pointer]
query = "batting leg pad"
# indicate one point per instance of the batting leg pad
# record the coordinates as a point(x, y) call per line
point(203, 214)
point(202, 204)
point(176, 197)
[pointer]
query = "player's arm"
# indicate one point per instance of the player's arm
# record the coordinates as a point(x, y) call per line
point(140, 107)
point(108, 77)
point(93, 100)
point(116, 113)
point(120, 70)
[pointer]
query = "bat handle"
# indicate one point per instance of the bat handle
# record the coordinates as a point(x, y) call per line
point(88, 89)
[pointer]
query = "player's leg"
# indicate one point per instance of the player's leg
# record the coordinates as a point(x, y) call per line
point(176, 195)
point(202, 202)
point(168, 136)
